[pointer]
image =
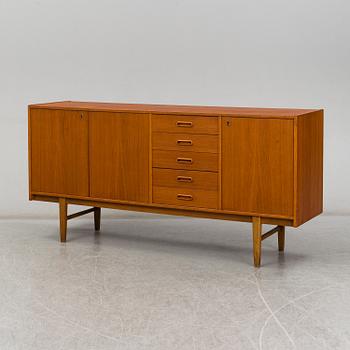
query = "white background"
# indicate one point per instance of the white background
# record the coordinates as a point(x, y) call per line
point(224, 52)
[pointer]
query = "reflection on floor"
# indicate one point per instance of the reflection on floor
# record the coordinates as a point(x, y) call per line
point(161, 282)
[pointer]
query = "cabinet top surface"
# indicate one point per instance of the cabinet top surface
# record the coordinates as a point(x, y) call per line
point(175, 109)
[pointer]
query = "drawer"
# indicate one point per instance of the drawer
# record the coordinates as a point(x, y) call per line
point(185, 160)
point(185, 124)
point(185, 179)
point(185, 197)
point(185, 142)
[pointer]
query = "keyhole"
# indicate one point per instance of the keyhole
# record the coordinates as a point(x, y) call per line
point(228, 123)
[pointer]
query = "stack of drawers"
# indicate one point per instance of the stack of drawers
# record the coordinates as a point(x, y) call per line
point(185, 160)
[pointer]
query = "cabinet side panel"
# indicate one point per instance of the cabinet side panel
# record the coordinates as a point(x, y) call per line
point(257, 165)
point(309, 199)
point(59, 152)
point(119, 156)
point(29, 157)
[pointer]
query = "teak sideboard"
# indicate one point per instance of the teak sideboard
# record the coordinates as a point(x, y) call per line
point(258, 165)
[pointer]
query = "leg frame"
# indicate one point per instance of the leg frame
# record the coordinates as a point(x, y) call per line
point(64, 217)
point(258, 237)
point(97, 218)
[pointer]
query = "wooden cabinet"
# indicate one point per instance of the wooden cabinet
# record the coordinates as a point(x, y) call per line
point(256, 165)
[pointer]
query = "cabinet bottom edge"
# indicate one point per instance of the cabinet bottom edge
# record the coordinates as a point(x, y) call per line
point(165, 209)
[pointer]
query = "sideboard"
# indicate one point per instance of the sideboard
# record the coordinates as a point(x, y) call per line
point(258, 165)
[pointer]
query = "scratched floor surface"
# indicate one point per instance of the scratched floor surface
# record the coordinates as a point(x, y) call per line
point(159, 282)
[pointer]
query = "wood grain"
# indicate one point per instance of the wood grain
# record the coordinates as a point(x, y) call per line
point(213, 111)
point(59, 151)
point(119, 156)
point(277, 219)
point(257, 231)
point(200, 161)
point(309, 186)
point(150, 177)
point(257, 165)
point(184, 124)
point(29, 156)
point(63, 219)
point(166, 209)
point(185, 179)
point(220, 165)
point(185, 142)
point(281, 238)
point(185, 197)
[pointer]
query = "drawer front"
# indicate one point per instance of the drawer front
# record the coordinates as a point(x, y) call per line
point(185, 124)
point(185, 197)
point(185, 142)
point(185, 160)
point(185, 179)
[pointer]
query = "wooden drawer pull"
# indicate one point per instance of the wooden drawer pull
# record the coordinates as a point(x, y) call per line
point(184, 197)
point(184, 179)
point(184, 160)
point(182, 124)
point(184, 142)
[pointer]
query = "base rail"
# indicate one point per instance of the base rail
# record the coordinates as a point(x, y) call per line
point(80, 213)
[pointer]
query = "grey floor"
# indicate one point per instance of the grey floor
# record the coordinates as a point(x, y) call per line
point(160, 282)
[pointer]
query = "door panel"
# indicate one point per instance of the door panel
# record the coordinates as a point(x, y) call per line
point(257, 165)
point(59, 152)
point(119, 156)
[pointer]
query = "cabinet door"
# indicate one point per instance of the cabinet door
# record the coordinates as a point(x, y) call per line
point(119, 156)
point(257, 165)
point(59, 152)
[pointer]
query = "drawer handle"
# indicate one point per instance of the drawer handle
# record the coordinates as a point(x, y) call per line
point(182, 124)
point(184, 160)
point(184, 179)
point(184, 142)
point(184, 197)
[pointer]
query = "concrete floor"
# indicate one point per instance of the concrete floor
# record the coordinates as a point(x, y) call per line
point(160, 282)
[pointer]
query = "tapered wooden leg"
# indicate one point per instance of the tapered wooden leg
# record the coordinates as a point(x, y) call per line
point(257, 226)
point(63, 219)
point(97, 218)
point(281, 238)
